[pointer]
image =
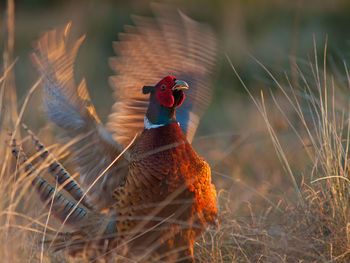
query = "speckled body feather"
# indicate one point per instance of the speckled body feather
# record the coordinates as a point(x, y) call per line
point(168, 194)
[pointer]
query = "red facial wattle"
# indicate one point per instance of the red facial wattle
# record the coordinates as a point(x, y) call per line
point(166, 98)
point(169, 91)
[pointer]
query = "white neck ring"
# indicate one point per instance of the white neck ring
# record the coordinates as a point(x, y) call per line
point(150, 125)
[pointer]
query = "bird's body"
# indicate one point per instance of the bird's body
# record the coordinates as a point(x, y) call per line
point(167, 192)
point(144, 199)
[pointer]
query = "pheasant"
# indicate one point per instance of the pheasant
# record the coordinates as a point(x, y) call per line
point(143, 192)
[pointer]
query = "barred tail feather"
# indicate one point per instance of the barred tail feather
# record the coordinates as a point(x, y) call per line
point(58, 172)
point(62, 207)
point(95, 233)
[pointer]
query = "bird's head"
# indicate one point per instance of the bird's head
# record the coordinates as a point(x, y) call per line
point(165, 97)
point(168, 91)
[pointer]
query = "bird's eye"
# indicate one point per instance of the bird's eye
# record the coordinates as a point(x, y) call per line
point(163, 87)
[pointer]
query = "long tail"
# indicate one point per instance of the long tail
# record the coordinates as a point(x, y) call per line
point(95, 234)
point(62, 207)
point(56, 169)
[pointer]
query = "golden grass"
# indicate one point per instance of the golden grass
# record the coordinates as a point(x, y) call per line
point(311, 225)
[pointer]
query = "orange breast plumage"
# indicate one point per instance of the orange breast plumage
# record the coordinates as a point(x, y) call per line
point(168, 198)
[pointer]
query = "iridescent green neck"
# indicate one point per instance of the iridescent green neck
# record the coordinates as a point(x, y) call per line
point(158, 114)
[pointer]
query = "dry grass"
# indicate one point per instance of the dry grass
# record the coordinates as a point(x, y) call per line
point(294, 211)
point(312, 224)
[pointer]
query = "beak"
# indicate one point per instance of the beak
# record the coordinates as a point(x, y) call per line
point(180, 85)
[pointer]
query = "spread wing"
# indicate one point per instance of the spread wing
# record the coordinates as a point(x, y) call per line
point(170, 44)
point(70, 107)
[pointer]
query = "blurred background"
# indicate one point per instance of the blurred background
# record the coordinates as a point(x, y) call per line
point(276, 32)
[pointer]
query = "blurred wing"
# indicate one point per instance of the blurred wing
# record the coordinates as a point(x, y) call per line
point(171, 44)
point(70, 107)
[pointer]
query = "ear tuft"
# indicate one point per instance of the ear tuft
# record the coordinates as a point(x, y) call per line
point(147, 89)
